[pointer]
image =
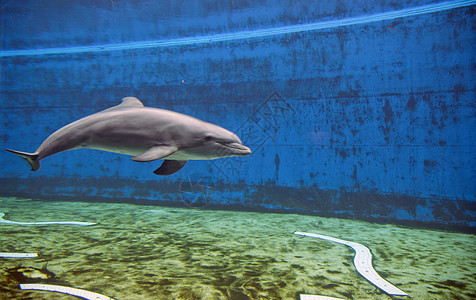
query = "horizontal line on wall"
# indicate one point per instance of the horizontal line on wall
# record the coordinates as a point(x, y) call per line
point(260, 33)
point(314, 145)
point(181, 101)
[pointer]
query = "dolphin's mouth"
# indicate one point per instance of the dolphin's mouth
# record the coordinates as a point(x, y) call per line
point(238, 149)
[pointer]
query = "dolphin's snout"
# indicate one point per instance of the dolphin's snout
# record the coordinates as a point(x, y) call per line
point(239, 149)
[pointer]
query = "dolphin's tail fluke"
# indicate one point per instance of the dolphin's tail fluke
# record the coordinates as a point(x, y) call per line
point(31, 158)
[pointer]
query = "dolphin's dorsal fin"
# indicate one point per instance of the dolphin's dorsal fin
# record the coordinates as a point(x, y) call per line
point(154, 153)
point(130, 102)
point(127, 102)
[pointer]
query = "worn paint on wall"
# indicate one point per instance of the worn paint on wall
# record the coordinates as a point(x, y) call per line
point(372, 121)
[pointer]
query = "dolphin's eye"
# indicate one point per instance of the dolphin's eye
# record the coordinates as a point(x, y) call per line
point(208, 138)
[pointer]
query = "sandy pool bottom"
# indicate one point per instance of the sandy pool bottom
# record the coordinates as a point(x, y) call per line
point(151, 252)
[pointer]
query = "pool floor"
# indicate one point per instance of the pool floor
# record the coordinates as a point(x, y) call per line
point(152, 252)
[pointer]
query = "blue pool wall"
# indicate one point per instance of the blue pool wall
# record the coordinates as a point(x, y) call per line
point(372, 121)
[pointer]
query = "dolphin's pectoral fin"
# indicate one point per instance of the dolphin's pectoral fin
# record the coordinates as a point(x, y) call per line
point(154, 153)
point(170, 167)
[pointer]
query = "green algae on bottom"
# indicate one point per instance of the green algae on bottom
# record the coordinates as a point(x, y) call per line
point(151, 252)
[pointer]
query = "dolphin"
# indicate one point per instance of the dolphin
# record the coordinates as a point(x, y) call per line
point(146, 133)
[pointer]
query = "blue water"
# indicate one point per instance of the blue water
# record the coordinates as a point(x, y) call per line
point(260, 33)
point(355, 111)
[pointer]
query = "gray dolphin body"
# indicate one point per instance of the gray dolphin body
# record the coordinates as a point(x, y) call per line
point(145, 133)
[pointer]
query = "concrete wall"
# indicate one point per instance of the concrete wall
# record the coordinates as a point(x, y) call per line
point(371, 121)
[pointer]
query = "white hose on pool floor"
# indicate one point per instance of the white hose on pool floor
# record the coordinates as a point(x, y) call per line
point(65, 290)
point(316, 297)
point(25, 255)
point(17, 255)
point(43, 223)
point(363, 264)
